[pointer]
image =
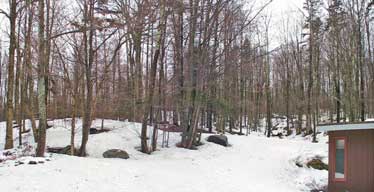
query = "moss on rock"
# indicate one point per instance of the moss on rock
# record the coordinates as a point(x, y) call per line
point(317, 164)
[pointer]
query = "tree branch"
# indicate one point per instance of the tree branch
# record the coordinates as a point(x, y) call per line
point(4, 13)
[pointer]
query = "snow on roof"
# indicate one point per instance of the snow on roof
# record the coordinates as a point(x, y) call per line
point(346, 126)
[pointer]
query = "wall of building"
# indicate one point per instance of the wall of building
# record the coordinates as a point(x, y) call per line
point(360, 161)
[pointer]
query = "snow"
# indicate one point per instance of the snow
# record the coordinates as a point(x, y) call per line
point(339, 175)
point(253, 163)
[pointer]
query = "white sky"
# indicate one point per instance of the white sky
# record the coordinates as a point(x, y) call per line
point(4, 6)
point(279, 10)
point(278, 6)
point(3, 20)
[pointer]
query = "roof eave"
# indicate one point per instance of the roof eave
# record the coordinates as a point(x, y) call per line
point(345, 127)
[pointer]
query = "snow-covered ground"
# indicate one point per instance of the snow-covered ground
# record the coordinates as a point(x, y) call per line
point(253, 163)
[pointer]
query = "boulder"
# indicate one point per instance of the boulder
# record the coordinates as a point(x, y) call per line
point(116, 153)
point(55, 149)
point(33, 162)
point(93, 131)
point(218, 139)
point(67, 150)
point(61, 150)
point(317, 164)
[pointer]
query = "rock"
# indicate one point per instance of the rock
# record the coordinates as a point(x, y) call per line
point(298, 164)
point(33, 162)
point(19, 163)
point(67, 150)
point(55, 149)
point(93, 131)
point(61, 150)
point(218, 139)
point(7, 153)
point(116, 153)
point(322, 189)
point(317, 164)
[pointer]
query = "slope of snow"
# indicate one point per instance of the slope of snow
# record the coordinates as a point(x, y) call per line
point(251, 164)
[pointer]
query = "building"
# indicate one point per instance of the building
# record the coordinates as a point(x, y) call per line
point(351, 156)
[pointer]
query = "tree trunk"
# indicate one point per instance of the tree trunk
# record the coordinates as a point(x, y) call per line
point(41, 84)
point(89, 57)
point(10, 90)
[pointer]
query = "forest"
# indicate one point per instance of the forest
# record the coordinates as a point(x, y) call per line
point(243, 99)
point(199, 64)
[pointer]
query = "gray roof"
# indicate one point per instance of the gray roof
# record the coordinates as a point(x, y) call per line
point(345, 126)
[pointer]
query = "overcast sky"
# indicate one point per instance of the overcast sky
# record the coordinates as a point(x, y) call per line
point(4, 6)
point(278, 8)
